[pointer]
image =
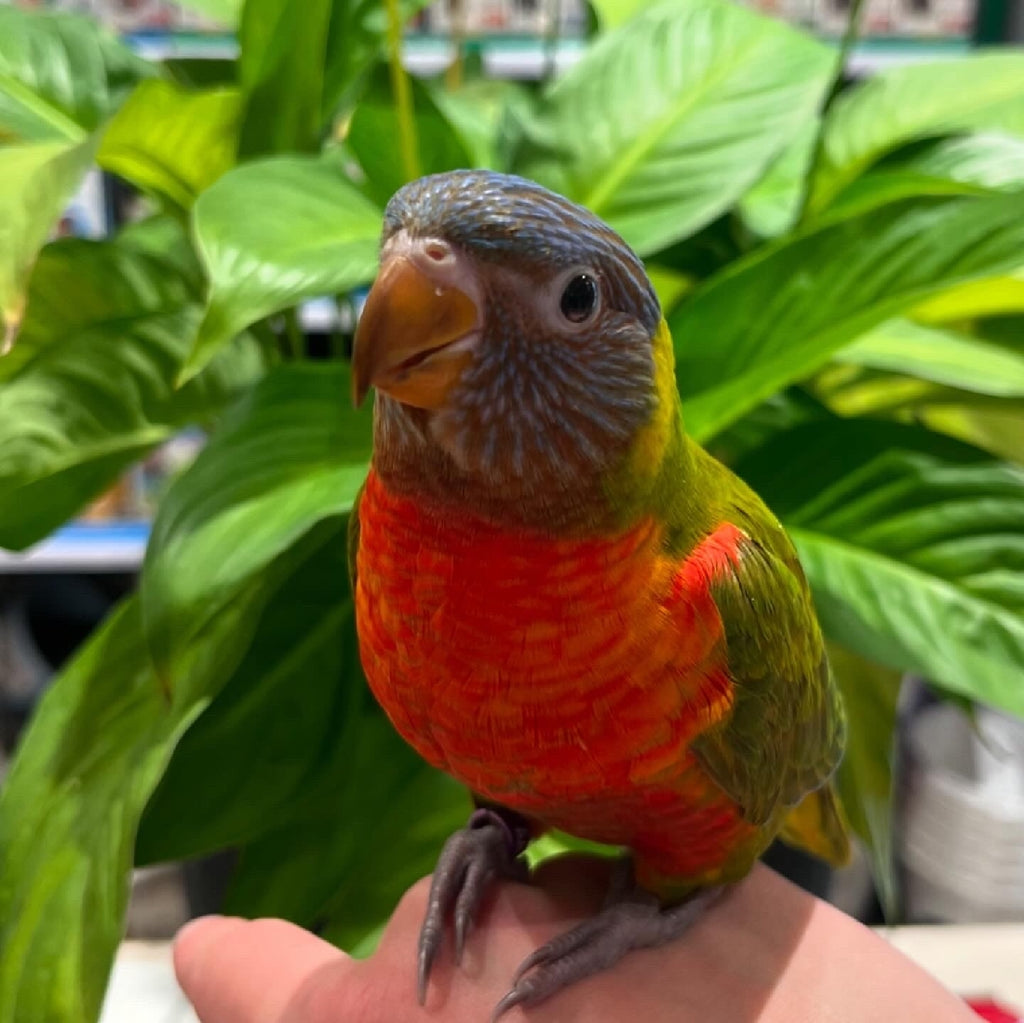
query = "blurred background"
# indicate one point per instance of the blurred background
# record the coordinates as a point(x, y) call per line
point(959, 761)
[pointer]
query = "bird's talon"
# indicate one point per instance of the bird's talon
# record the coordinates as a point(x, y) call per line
point(633, 922)
point(469, 863)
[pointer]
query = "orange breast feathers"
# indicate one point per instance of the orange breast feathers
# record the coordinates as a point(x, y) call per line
point(562, 678)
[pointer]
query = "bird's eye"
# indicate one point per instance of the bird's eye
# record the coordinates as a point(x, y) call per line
point(579, 300)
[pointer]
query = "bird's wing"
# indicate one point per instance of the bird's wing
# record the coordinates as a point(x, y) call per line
point(784, 736)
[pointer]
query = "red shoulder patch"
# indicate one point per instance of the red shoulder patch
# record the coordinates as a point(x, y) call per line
point(714, 557)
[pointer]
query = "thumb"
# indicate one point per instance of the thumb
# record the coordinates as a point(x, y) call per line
point(248, 971)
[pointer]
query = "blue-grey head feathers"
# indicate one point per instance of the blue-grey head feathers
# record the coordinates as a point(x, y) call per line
point(503, 217)
point(539, 406)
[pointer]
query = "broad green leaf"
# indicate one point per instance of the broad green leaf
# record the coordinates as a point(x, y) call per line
point(912, 545)
point(613, 13)
point(965, 165)
point(667, 121)
point(777, 316)
point(281, 71)
point(999, 430)
point(278, 744)
point(37, 181)
point(296, 71)
point(163, 235)
point(477, 110)
point(987, 159)
point(978, 93)
point(202, 72)
point(370, 823)
point(355, 42)
point(172, 142)
point(79, 284)
point(941, 356)
point(373, 137)
point(865, 777)
point(61, 75)
point(670, 285)
point(850, 391)
point(783, 411)
point(772, 206)
point(292, 453)
point(93, 752)
point(274, 232)
point(992, 296)
point(106, 333)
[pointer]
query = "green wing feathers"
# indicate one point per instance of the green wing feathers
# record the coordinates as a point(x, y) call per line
point(778, 750)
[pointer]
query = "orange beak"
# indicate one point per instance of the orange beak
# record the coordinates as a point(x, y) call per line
point(415, 336)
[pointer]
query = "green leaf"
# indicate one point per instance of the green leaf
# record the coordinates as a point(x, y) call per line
point(990, 297)
point(373, 137)
point(355, 42)
point(986, 159)
point(38, 179)
point(613, 13)
point(281, 70)
point(274, 232)
point(292, 453)
point(999, 430)
point(105, 335)
point(173, 142)
point(670, 285)
point(983, 92)
point(477, 110)
point(865, 778)
point(777, 316)
point(772, 206)
point(202, 72)
point(61, 75)
point(278, 745)
point(941, 356)
point(912, 545)
point(93, 752)
point(967, 165)
point(667, 121)
point(370, 824)
point(782, 411)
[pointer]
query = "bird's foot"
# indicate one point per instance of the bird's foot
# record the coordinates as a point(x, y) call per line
point(487, 849)
point(630, 919)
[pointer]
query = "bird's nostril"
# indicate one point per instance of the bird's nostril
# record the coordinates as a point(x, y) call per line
point(437, 251)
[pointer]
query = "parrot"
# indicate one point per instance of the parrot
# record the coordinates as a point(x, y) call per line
point(561, 599)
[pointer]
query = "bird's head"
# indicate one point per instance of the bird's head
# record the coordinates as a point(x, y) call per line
point(508, 328)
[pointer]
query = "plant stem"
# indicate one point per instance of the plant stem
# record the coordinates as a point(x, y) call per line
point(850, 37)
point(455, 73)
point(551, 38)
point(268, 342)
point(407, 142)
point(294, 338)
point(344, 324)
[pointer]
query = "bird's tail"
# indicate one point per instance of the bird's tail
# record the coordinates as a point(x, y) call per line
point(817, 825)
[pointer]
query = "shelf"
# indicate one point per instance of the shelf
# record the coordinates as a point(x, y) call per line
point(522, 57)
point(83, 547)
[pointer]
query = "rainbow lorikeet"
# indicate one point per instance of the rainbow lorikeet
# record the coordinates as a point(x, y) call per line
point(561, 599)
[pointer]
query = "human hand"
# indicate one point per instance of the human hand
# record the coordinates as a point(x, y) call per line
point(768, 952)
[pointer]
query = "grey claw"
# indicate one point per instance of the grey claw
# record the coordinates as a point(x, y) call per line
point(510, 1001)
point(469, 863)
point(633, 922)
point(475, 883)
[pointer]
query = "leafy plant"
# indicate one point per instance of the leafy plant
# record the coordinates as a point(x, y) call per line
point(844, 283)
